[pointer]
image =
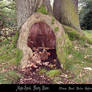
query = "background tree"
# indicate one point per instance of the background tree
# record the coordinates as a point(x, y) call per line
point(76, 3)
point(65, 11)
point(86, 15)
point(7, 13)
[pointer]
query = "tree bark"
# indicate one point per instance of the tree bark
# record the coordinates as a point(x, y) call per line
point(66, 12)
point(48, 5)
point(76, 4)
point(25, 8)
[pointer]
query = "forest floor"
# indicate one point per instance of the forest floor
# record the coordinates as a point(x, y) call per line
point(78, 64)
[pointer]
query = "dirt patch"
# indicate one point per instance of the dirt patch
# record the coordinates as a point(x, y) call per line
point(34, 78)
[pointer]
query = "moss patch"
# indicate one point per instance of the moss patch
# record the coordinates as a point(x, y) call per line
point(74, 34)
point(63, 50)
point(53, 20)
point(56, 29)
point(42, 71)
point(42, 10)
point(53, 73)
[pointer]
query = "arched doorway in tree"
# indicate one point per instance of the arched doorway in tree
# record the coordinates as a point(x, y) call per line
point(42, 40)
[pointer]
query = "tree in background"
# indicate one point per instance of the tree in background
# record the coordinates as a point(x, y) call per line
point(8, 13)
point(76, 3)
point(86, 15)
point(66, 12)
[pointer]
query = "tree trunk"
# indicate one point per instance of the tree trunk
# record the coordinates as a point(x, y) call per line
point(76, 4)
point(26, 8)
point(65, 12)
point(39, 31)
point(48, 5)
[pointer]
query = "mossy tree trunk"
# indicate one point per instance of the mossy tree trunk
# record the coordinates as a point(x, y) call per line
point(61, 43)
point(65, 11)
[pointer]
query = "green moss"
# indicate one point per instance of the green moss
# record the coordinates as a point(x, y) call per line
point(56, 79)
point(53, 73)
point(89, 41)
point(68, 44)
point(75, 35)
point(69, 14)
point(64, 49)
point(42, 71)
point(56, 29)
point(61, 56)
point(72, 33)
point(42, 10)
point(53, 20)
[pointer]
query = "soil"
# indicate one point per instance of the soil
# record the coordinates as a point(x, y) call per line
point(34, 78)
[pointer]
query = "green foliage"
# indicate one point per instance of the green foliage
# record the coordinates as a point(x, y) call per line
point(88, 33)
point(14, 40)
point(4, 42)
point(9, 77)
point(86, 22)
point(18, 55)
point(69, 45)
point(8, 13)
point(79, 58)
point(86, 15)
point(42, 10)
point(10, 56)
point(75, 35)
point(77, 62)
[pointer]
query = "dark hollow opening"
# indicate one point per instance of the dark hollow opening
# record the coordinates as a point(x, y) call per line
point(42, 40)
